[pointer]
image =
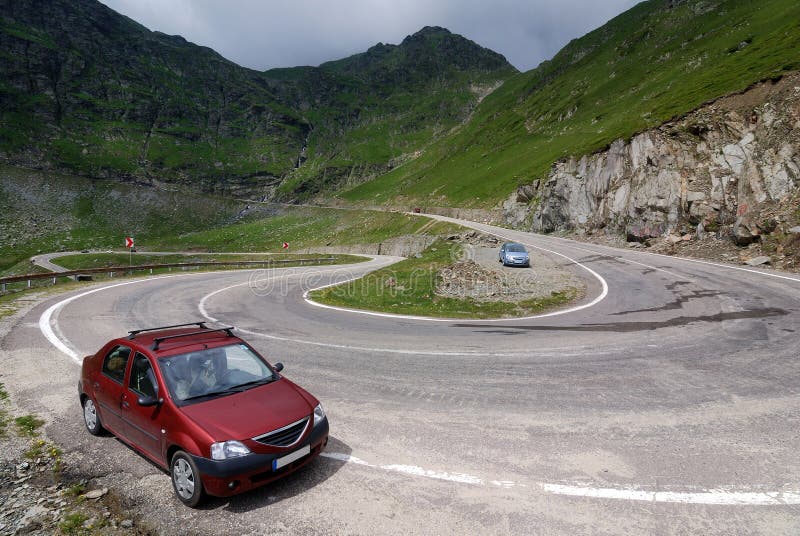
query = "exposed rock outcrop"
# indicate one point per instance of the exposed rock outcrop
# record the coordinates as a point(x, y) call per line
point(718, 169)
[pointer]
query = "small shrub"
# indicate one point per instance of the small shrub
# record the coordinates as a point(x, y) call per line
point(28, 424)
point(73, 523)
point(76, 490)
point(36, 449)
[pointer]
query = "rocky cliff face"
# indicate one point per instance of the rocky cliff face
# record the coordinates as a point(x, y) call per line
point(731, 167)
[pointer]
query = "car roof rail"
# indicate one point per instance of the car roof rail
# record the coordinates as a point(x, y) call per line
point(132, 334)
point(158, 340)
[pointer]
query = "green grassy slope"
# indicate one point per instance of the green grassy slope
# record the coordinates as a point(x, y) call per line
point(43, 212)
point(88, 91)
point(373, 110)
point(304, 227)
point(100, 95)
point(642, 68)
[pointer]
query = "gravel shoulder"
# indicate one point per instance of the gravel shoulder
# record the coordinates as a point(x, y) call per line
point(481, 276)
point(706, 247)
point(41, 493)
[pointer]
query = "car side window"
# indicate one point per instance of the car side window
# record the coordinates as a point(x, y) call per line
point(143, 380)
point(115, 362)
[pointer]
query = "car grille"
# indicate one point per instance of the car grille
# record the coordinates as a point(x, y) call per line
point(284, 437)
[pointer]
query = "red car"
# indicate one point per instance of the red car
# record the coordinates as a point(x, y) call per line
point(204, 405)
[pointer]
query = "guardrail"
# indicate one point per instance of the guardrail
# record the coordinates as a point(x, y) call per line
point(112, 269)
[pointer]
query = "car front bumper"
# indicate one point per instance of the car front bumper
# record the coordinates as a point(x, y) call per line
point(223, 478)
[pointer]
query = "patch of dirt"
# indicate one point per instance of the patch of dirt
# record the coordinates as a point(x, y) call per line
point(39, 494)
point(480, 275)
point(782, 247)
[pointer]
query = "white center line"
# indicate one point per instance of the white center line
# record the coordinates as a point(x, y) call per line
point(723, 496)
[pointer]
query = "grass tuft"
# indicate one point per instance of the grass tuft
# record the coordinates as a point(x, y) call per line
point(27, 425)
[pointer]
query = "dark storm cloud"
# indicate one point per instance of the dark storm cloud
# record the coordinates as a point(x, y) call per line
point(266, 34)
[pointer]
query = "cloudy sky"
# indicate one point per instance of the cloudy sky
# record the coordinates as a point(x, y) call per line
point(262, 34)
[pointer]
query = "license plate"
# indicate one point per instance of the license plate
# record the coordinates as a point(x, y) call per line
point(277, 463)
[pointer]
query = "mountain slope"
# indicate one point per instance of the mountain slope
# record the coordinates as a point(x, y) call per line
point(86, 89)
point(373, 110)
point(659, 60)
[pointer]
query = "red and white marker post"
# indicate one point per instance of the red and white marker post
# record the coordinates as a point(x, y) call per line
point(129, 244)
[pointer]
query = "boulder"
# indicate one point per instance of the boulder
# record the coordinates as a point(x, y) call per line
point(639, 232)
point(95, 493)
point(744, 232)
point(758, 261)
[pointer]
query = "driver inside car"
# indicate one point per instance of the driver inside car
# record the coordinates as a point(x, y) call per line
point(198, 373)
point(208, 369)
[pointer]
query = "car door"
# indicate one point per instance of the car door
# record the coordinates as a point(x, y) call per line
point(109, 388)
point(142, 422)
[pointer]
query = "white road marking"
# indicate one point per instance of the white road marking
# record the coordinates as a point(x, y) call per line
point(600, 297)
point(49, 327)
point(711, 497)
point(412, 470)
point(541, 352)
point(203, 309)
point(720, 496)
point(570, 243)
point(623, 259)
point(48, 322)
point(618, 253)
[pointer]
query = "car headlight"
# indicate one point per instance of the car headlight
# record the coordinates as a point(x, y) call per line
point(319, 414)
point(228, 449)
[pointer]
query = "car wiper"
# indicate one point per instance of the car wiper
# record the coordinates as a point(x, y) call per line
point(222, 392)
point(254, 383)
point(233, 389)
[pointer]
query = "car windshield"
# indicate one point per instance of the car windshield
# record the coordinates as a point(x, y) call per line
point(515, 248)
point(213, 372)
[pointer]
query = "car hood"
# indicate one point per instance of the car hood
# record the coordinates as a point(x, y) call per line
point(253, 412)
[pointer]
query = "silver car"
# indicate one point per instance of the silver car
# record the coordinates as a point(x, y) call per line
point(513, 254)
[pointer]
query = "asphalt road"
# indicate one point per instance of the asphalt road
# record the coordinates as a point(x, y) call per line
point(667, 403)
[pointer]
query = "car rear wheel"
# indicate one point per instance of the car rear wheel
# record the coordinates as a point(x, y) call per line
point(186, 479)
point(91, 418)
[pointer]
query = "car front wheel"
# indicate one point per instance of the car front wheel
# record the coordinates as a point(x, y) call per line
point(91, 418)
point(186, 479)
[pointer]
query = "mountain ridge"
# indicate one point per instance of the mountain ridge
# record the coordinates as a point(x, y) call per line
point(654, 62)
point(90, 91)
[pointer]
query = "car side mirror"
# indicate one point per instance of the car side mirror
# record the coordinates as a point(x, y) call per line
point(278, 367)
point(149, 401)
